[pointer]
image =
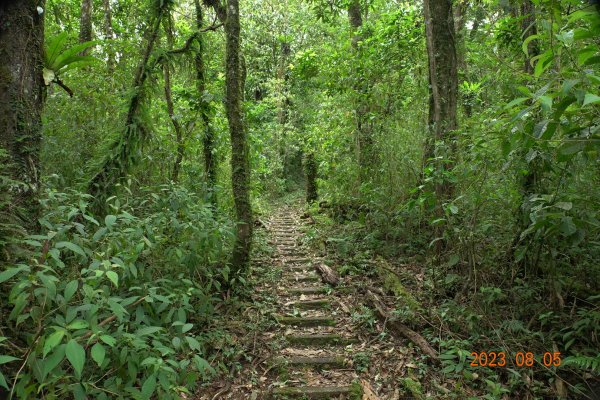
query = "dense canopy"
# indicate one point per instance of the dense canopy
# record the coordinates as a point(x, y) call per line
point(178, 177)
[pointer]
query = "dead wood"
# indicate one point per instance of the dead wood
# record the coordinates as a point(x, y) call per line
point(327, 274)
point(398, 327)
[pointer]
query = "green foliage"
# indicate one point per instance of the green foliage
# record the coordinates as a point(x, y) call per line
point(59, 58)
point(116, 306)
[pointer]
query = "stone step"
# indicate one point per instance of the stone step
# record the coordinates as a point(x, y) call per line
point(306, 321)
point(298, 260)
point(308, 290)
point(303, 278)
point(312, 392)
point(330, 362)
point(320, 339)
point(299, 268)
point(316, 304)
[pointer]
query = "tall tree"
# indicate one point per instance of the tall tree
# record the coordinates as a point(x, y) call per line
point(123, 151)
point(208, 140)
point(311, 167)
point(169, 100)
point(21, 100)
point(240, 162)
point(364, 141)
point(85, 23)
point(109, 34)
point(443, 86)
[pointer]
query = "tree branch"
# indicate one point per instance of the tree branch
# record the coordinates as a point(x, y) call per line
point(62, 85)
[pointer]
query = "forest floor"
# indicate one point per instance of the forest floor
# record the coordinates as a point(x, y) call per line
point(306, 339)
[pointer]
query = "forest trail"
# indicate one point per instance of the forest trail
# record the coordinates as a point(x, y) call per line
point(325, 354)
point(313, 364)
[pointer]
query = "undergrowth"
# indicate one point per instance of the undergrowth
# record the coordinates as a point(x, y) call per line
point(117, 308)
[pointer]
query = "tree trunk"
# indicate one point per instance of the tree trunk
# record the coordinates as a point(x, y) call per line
point(110, 35)
point(311, 177)
point(529, 28)
point(208, 141)
point(21, 102)
point(240, 163)
point(122, 153)
point(85, 23)
point(364, 141)
point(170, 107)
point(443, 80)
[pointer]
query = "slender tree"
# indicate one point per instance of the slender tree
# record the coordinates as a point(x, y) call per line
point(123, 152)
point(208, 140)
point(170, 107)
point(85, 23)
point(240, 163)
point(364, 141)
point(109, 34)
point(21, 101)
point(310, 164)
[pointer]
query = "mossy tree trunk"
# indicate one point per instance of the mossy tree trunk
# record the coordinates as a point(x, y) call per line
point(443, 83)
point(240, 163)
point(85, 23)
point(109, 34)
point(364, 139)
point(440, 147)
point(170, 107)
point(124, 151)
point(311, 177)
point(208, 140)
point(21, 101)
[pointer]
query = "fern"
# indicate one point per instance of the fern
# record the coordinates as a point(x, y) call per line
point(589, 363)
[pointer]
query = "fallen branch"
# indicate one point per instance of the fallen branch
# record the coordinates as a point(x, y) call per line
point(328, 274)
point(383, 314)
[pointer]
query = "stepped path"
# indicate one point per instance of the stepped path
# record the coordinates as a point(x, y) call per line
point(305, 339)
point(314, 362)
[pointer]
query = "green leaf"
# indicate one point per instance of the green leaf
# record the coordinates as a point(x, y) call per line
point(591, 99)
point(148, 330)
point(53, 359)
point(109, 340)
point(516, 102)
point(525, 46)
point(99, 234)
point(454, 259)
point(546, 102)
point(98, 354)
point(571, 147)
point(55, 45)
point(76, 356)
point(148, 387)
point(70, 290)
point(186, 328)
point(52, 341)
point(564, 205)
point(9, 273)
point(77, 324)
point(3, 381)
point(7, 359)
point(71, 246)
point(109, 220)
point(114, 278)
